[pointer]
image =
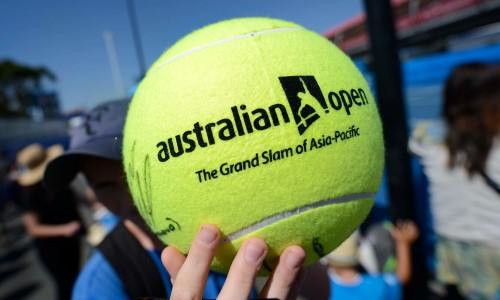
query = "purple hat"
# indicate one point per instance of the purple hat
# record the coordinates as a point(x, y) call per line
point(99, 135)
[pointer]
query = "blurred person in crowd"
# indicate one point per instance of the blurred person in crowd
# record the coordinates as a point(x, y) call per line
point(460, 155)
point(103, 219)
point(51, 218)
point(128, 262)
point(348, 282)
point(8, 177)
point(4, 172)
point(377, 248)
point(4, 191)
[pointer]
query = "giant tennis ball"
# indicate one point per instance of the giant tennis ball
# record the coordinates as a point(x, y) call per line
point(260, 127)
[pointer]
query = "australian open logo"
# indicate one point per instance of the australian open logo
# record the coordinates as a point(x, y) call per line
point(308, 102)
point(306, 105)
point(305, 98)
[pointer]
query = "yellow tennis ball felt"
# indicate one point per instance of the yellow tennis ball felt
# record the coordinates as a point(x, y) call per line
point(260, 127)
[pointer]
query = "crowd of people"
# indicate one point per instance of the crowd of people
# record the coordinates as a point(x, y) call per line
point(460, 154)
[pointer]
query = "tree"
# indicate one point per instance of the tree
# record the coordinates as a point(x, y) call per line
point(18, 86)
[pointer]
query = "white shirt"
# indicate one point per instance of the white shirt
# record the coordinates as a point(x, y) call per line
point(464, 208)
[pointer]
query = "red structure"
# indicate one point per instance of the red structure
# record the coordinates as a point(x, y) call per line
point(419, 22)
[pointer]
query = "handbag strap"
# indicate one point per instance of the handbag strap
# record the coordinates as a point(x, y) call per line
point(489, 181)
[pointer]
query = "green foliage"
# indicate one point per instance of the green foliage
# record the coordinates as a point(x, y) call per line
point(18, 84)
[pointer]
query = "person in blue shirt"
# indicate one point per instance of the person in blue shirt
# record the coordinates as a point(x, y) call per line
point(130, 263)
point(347, 282)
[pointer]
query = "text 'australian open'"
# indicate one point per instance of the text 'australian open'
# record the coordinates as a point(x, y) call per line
point(241, 121)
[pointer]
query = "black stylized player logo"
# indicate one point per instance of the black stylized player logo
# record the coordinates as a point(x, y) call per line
point(305, 98)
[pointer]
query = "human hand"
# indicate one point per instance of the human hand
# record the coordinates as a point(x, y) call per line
point(405, 231)
point(70, 228)
point(189, 274)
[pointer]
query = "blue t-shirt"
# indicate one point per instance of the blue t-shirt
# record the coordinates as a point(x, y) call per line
point(384, 286)
point(98, 280)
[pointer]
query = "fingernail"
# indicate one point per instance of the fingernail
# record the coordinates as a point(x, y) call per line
point(293, 261)
point(254, 252)
point(206, 235)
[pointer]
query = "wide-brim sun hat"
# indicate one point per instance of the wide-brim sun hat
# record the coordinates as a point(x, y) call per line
point(99, 135)
point(34, 159)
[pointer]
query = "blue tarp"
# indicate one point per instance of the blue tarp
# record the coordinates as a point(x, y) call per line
point(434, 69)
